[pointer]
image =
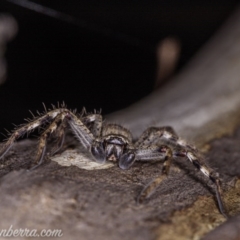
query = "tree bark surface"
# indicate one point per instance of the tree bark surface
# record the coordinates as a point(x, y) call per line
point(202, 104)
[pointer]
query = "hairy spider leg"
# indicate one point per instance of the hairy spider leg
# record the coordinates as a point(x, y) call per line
point(152, 135)
point(147, 147)
point(150, 187)
point(178, 148)
point(82, 133)
point(207, 171)
point(57, 116)
point(60, 135)
point(43, 139)
point(151, 146)
point(96, 120)
point(27, 128)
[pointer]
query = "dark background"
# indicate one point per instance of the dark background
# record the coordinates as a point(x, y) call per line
point(97, 54)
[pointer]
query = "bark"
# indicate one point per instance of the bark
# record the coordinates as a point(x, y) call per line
point(202, 104)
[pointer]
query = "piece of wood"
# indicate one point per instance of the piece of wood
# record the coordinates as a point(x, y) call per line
point(201, 103)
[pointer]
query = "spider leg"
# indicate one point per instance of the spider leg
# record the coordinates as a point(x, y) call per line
point(43, 140)
point(207, 171)
point(152, 135)
point(149, 188)
point(155, 136)
point(81, 131)
point(96, 121)
point(150, 145)
point(27, 128)
point(83, 134)
point(133, 155)
point(60, 134)
point(57, 116)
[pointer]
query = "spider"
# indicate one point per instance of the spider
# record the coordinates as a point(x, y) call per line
point(112, 142)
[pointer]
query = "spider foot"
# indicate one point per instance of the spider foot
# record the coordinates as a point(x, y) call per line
point(220, 202)
point(34, 167)
point(149, 189)
point(40, 161)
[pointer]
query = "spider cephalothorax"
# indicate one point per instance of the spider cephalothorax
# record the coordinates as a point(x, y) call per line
point(114, 145)
point(112, 142)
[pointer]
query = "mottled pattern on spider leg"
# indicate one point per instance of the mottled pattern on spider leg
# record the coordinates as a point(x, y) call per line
point(155, 143)
point(27, 128)
point(83, 134)
point(59, 134)
point(57, 117)
point(58, 127)
point(43, 139)
point(150, 144)
point(152, 135)
point(150, 188)
point(166, 136)
point(210, 173)
point(94, 123)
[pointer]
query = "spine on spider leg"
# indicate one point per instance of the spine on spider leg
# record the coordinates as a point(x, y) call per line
point(27, 128)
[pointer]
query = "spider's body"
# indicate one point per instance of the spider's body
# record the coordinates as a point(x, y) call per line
point(115, 141)
point(112, 142)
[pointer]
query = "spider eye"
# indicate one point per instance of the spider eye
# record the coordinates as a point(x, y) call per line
point(126, 160)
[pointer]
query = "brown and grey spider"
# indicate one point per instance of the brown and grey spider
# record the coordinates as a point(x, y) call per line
point(112, 142)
